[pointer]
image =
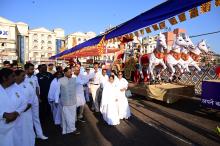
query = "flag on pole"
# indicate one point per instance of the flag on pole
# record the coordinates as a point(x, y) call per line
point(182, 17)
point(173, 21)
point(148, 30)
point(206, 7)
point(162, 25)
point(142, 31)
point(193, 13)
point(155, 27)
point(217, 3)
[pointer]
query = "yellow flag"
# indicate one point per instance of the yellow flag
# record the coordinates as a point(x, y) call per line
point(142, 31)
point(193, 13)
point(182, 17)
point(217, 3)
point(162, 25)
point(155, 27)
point(173, 21)
point(148, 30)
point(206, 7)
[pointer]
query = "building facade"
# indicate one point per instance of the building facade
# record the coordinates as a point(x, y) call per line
point(18, 42)
point(44, 43)
point(8, 40)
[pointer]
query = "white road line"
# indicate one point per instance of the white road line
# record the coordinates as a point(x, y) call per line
point(169, 133)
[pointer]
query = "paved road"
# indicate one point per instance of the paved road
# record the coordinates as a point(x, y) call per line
point(152, 123)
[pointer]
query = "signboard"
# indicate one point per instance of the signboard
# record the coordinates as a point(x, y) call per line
point(211, 94)
point(4, 32)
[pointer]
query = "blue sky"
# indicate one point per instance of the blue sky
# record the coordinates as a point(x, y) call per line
point(96, 15)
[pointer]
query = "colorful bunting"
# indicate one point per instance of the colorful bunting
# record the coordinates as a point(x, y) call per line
point(217, 3)
point(182, 17)
point(162, 25)
point(206, 7)
point(155, 27)
point(148, 30)
point(193, 13)
point(173, 21)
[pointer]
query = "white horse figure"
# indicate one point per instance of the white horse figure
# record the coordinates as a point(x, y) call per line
point(193, 56)
point(157, 57)
point(174, 56)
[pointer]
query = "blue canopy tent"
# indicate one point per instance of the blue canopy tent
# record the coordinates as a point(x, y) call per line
point(157, 14)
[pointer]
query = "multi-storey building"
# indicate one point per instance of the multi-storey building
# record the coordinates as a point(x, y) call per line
point(44, 43)
point(8, 40)
point(18, 42)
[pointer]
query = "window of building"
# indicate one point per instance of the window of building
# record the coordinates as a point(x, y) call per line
point(35, 41)
point(42, 48)
point(35, 54)
point(49, 48)
point(35, 48)
point(42, 55)
point(84, 40)
point(79, 39)
point(35, 36)
point(49, 42)
point(42, 35)
point(42, 42)
point(49, 37)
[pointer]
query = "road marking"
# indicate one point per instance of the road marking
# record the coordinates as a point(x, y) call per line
point(169, 133)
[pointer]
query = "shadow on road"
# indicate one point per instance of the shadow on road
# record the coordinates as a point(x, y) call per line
point(132, 132)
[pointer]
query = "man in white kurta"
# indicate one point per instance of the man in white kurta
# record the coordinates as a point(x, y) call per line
point(81, 80)
point(108, 107)
point(68, 101)
point(32, 79)
point(123, 106)
point(24, 127)
point(54, 100)
point(104, 78)
point(94, 86)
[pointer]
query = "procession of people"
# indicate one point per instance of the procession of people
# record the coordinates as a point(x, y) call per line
point(59, 95)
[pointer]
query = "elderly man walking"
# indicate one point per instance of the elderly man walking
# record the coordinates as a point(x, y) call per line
point(68, 102)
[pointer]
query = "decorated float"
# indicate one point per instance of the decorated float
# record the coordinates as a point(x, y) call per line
point(166, 72)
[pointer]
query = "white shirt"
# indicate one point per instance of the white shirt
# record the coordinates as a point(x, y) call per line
point(104, 80)
point(11, 100)
point(33, 81)
point(14, 92)
point(27, 91)
point(96, 77)
point(54, 91)
point(80, 81)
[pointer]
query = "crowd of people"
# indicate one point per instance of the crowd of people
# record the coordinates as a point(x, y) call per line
point(29, 96)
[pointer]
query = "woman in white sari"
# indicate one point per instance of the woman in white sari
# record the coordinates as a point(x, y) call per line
point(123, 106)
point(109, 103)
